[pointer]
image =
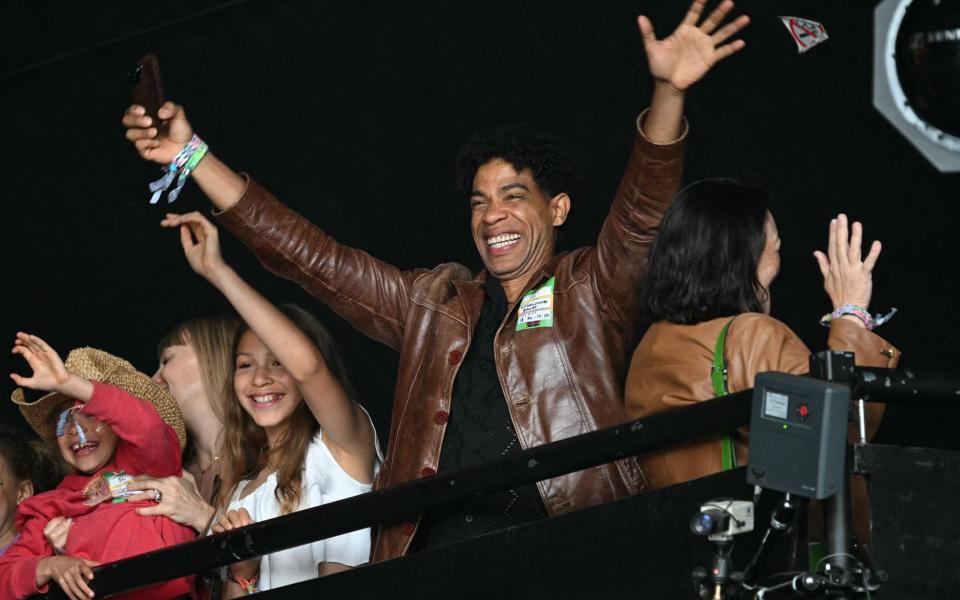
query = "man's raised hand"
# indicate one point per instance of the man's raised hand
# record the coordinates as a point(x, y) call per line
point(684, 57)
point(144, 133)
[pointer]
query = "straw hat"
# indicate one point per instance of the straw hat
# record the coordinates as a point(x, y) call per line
point(101, 366)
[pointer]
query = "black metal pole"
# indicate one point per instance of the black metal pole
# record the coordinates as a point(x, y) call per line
point(838, 367)
point(410, 499)
point(837, 525)
point(906, 386)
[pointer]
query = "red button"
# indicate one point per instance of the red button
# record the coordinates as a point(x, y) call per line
point(803, 411)
point(440, 417)
point(408, 528)
point(455, 357)
point(427, 472)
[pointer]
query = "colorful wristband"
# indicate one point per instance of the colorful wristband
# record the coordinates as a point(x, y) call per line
point(247, 585)
point(870, 322)
point(183, 163)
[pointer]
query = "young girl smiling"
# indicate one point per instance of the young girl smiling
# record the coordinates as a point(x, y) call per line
point(293, 436)
point(110, 422)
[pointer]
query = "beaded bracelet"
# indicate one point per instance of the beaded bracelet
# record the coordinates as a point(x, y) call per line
point(184, 162)
point(870, 322)
point(247, 585)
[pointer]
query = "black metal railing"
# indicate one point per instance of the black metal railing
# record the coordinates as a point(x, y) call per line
point(907, 386)
point(410, 499)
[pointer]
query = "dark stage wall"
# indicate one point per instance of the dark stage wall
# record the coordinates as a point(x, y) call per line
point(351, 112)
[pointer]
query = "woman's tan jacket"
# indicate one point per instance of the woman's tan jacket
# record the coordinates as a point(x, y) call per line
point(671, 368)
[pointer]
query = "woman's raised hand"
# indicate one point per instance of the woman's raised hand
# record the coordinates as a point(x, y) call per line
point(847, 276)
point(691, 50)
point(201, 243)
point(150, 143)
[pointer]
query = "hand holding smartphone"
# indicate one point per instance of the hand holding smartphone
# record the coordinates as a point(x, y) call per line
point(147, 89)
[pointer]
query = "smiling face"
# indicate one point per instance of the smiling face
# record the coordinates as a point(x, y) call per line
point(95, 452)
point(263, 387)
point(513, 221)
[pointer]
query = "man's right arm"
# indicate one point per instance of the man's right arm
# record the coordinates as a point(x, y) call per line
point(369, 293)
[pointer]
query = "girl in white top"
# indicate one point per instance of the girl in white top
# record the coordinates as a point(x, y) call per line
point(293, 436)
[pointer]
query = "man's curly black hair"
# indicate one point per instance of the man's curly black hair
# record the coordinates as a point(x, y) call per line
point(524, 148)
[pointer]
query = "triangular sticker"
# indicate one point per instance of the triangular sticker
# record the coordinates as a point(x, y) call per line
point(805, 33)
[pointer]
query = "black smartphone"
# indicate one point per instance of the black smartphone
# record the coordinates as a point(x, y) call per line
point(146, 87)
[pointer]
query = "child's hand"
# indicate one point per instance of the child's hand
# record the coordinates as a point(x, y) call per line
point(201, 242)
point(49, 374)
point(71, 574)
point(56, 533)
point(232, 520)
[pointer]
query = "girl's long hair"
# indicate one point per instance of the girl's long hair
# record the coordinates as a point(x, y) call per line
point(212, 338)
point(245, 448)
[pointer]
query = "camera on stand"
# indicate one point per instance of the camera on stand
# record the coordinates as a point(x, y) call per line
point(722, 519)
point(719, 521)
point(798, 446)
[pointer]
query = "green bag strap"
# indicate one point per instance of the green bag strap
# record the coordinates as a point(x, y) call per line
point(718, 375)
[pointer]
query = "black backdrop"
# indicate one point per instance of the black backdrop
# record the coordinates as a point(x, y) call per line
point(351, 112)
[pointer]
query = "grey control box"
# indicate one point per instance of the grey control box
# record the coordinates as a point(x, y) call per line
point(798, 434)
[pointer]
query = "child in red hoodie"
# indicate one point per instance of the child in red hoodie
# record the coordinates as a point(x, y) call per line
point(110, 423)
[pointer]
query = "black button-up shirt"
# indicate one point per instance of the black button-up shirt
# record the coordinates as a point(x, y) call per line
point(480, 430)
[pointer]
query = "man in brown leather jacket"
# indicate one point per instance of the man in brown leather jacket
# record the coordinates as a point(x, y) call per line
point(529, 351)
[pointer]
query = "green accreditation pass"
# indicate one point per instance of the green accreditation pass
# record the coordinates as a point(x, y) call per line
point(536, 307)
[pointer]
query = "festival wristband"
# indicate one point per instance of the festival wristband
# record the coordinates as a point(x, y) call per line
point(870, 322)
point(183, 163)
point(247, 585)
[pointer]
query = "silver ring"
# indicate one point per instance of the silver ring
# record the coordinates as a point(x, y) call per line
point(157, 496)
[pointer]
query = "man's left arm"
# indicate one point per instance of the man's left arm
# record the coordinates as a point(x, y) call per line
point(653, 173)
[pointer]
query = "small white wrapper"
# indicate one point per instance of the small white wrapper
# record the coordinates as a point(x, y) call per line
point(805, 33)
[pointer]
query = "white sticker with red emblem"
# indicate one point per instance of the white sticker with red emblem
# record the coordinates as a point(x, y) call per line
point(805, 33)
point(536, 308)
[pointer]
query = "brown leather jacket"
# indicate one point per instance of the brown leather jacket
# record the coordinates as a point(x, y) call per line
point(671, 368)
point(558, 381)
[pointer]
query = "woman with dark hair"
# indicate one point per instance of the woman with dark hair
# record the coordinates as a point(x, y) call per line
point(711, 267)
